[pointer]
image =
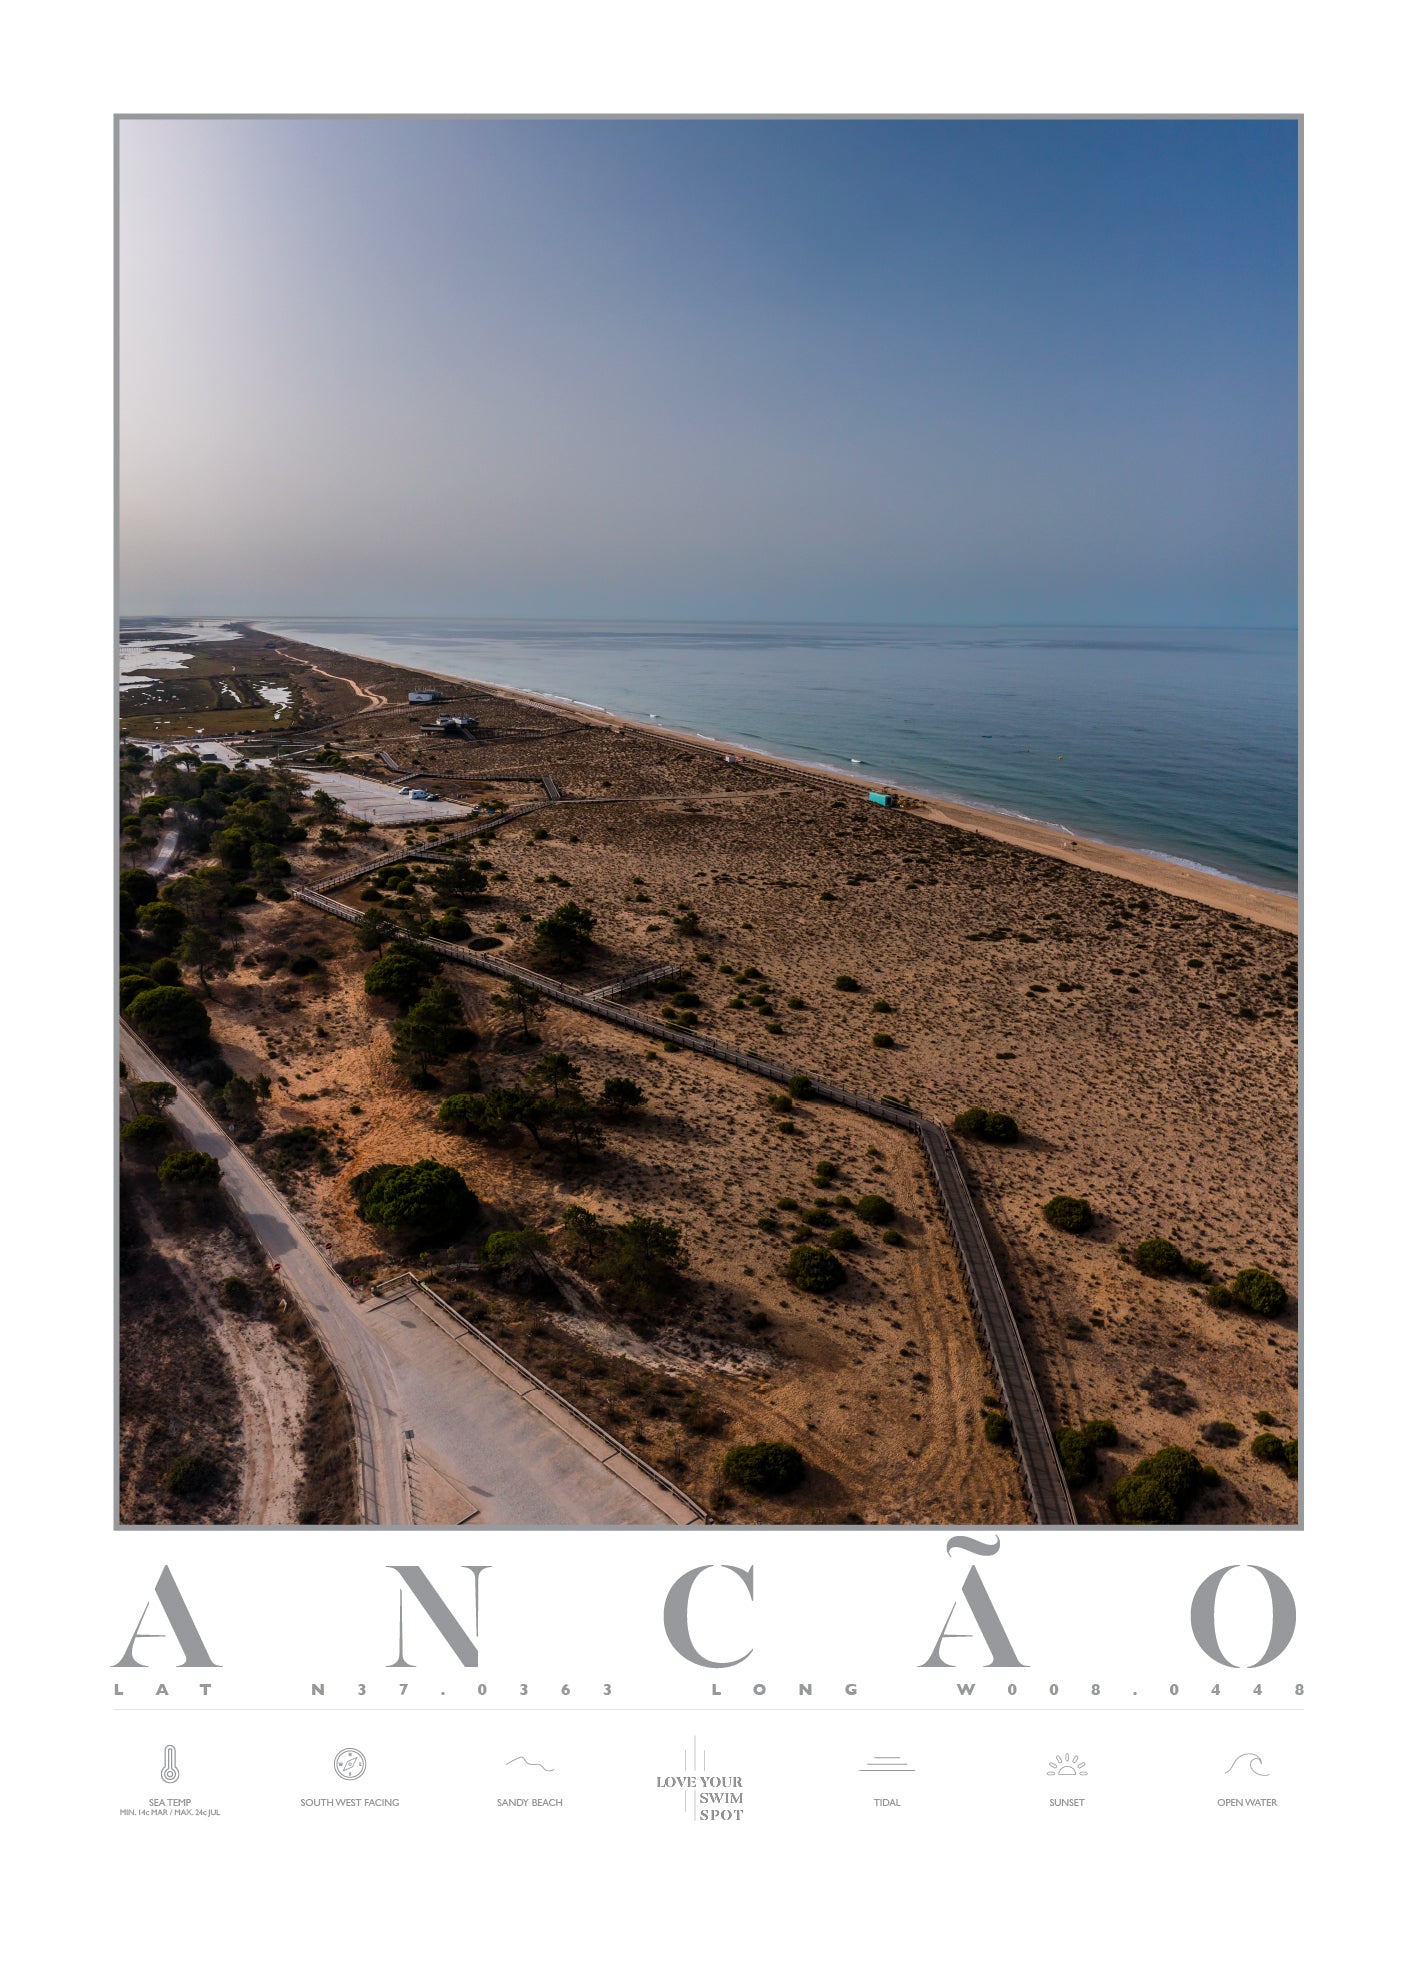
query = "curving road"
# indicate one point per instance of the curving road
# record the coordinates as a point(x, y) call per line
point(336, 1316)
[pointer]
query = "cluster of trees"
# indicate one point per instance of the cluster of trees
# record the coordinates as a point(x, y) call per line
point(244, 818)
point(638, 1266)
point(433, 1026)
point(550, 1104)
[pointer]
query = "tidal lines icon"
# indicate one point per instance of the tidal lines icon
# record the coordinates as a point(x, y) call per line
point(888, 1764)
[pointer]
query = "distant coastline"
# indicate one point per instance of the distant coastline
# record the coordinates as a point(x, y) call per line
point(1276, 908)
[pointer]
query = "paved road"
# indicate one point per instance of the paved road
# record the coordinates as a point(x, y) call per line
point(492, 1446)
point(361, 1361)
point(505, 1451)
point(165, 852)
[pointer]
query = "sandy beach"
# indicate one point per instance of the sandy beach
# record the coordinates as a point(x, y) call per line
point(1273, 907)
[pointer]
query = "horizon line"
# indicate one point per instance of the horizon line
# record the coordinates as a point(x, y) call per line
point(704, 620)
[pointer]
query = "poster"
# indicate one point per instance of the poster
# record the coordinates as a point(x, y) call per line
point(705, 1159)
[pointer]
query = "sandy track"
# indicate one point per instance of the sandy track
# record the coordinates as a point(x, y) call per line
point(270, 1381)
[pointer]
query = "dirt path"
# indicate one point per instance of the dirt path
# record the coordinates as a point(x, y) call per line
point(371, 696)
point(331, 1309)
point(271, 1384)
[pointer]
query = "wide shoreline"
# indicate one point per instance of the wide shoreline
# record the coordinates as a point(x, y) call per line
point(1274, 908)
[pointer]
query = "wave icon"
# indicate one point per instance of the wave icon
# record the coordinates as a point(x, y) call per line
point(1253, 1759)
point(530, 1763)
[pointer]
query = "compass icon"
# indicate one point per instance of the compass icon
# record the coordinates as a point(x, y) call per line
point(350, 1764)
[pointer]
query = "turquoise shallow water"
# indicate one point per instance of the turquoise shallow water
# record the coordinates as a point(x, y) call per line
point(1181, 742)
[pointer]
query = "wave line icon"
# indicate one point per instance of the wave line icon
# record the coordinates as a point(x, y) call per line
point(530, 1763)
point(1253, 1759)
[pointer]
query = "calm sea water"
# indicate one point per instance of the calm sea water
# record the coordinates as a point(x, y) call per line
point(1180, 742)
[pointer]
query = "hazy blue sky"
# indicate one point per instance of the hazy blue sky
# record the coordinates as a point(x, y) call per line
point(826, 370)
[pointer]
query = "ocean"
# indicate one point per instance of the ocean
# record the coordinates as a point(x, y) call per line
point(1179, 742)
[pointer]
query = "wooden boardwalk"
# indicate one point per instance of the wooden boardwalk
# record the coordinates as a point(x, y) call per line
point(993, 1314)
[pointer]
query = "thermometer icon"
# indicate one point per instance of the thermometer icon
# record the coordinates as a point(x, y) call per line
point(170, 1772)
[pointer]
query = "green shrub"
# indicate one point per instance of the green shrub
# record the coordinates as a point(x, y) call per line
point(768, 1223)
point(781, 1103)
point(143, 1132)
point(999, 1128)
point(883, 1040)
point(1221, 1433)
point(997, 1430)
point(825, 1171)
point(189, 1171)
point(815, 1270)
point(891, 1238)
point(845, 983)
point(796, 1005)
point(799, 1086)
point(618, 1095)
point(236, 1294)
point(1257, 1290)
point(1291, 1455)
point(843, 1239)
point(1077, 1449)
point(1158, 1257)
point(510, 1250)
point(1219, 1296)
point(1078, 1458)
point(875, 1210)
point(166, 971)
point(191, 1475)
point(970, 1122)
point(1069, 1215)
point(1137, 1498)
point(1264, 1419)
point(1160, 1488)
point(1267, 1446)
point(768, 1467)
point(422, 1201)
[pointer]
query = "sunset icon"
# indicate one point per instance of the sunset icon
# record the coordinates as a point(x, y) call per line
point(1067, 1764)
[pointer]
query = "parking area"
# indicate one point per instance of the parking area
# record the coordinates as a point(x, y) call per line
point(381, 805)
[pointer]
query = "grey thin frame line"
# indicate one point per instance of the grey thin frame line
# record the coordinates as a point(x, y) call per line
point(1297, 118)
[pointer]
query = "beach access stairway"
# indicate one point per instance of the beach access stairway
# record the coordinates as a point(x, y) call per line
point(998, 1326)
